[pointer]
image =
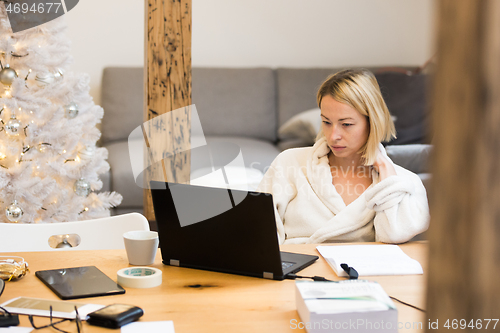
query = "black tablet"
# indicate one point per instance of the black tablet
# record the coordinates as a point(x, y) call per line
point(79, 282)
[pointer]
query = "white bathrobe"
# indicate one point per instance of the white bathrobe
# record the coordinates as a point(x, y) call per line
point(308, 208)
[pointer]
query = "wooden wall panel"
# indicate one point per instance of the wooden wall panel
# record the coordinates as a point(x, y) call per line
point(464, 262)
point(167, 87)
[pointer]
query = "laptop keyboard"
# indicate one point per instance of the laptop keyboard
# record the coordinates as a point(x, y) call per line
point(286, 264)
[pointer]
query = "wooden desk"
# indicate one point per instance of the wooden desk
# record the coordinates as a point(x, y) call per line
point(202, 301)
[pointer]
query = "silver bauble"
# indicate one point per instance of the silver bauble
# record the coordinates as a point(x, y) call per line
point(13, 127)
point(64, 244)
point(44, 79)
point(7, 75)
point(13, 212)
point(82, 187)
point(71, 110)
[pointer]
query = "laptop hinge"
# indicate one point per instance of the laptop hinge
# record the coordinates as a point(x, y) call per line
point(268, 275)
point(174, 262)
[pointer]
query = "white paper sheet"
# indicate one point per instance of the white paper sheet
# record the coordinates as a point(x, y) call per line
point(370, 259)
point(15, 329)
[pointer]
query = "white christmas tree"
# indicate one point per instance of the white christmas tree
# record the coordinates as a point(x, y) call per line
point(49, 162)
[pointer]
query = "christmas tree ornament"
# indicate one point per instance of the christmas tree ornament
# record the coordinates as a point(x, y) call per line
point(7, 75)
point(82, 187)
point(14, 212)
point(71, 110)
point(87, 153)
point(64, 244)
point(13, 126)
point(44, 79)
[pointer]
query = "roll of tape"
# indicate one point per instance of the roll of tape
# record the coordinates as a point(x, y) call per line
point(139, 277)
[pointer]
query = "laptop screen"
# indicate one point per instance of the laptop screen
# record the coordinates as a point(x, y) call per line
point(217, 229)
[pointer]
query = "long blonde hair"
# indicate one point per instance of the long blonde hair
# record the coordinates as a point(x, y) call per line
point(359, 89)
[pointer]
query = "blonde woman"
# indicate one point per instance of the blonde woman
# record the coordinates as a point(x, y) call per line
point(345, 188)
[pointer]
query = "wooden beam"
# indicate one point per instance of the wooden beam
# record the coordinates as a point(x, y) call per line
point(167, 73)
point(464, 262)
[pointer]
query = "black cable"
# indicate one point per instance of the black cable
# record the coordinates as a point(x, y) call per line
point(315, 278)
point(320, 278)
point(407, 304)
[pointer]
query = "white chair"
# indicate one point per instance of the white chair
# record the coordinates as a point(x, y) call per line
point(98, 234)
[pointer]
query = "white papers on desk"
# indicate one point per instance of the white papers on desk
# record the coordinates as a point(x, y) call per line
point(370, 259)
point(16, 329)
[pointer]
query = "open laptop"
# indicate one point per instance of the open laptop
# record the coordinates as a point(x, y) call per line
point(221, 230)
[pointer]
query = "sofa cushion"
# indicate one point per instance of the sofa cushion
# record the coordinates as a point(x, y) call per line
point(122, 91)
point(405, 96)
point(122, 178)
point(236, 101)
point(304, 126)
point(411, 157)
point(257, 154)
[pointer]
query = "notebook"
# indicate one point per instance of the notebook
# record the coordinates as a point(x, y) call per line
point(221, 230)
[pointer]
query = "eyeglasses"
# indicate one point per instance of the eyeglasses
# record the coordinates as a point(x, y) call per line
point(52, 323)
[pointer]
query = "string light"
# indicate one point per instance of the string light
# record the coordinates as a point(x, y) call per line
point(86, 209)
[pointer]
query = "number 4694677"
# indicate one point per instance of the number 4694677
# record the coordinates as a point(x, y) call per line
point(40, 8)
point(472, 324)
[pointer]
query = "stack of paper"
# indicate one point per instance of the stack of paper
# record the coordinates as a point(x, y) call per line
point(370, 259)
point(345, 306)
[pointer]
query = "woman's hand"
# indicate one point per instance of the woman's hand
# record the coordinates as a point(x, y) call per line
point(383, 166)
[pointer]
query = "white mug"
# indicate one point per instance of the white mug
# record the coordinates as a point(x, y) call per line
point(141, 246)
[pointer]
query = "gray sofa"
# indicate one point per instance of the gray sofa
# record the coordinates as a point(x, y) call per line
point(247, 107)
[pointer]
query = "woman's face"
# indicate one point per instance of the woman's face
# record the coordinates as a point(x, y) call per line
point(346, 130)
